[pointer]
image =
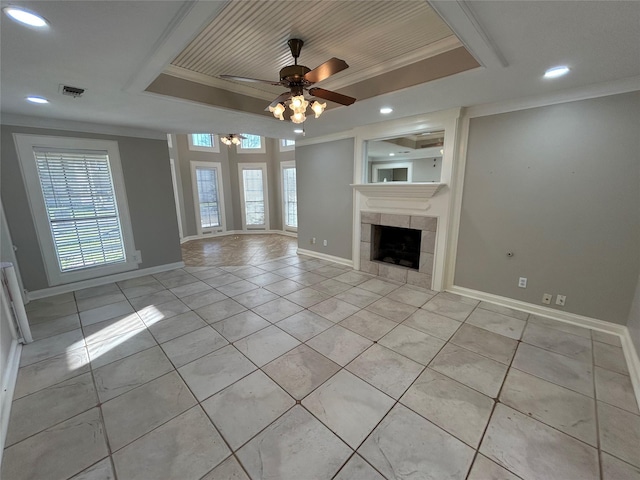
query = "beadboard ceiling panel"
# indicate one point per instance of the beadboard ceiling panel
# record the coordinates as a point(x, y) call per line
point(249, 38)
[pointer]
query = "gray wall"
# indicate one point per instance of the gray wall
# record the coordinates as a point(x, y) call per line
point(147, 178)
point(325, 198)
point(558, 186)
point(229, 159)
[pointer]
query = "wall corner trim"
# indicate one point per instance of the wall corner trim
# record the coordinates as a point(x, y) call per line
point(94, 282)
point(6, 394)
point(628, 348)
point(324, 256)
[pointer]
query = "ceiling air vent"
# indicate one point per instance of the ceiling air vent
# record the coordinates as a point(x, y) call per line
point(74, 92)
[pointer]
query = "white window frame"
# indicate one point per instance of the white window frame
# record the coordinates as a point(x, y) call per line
point(383, 166)
point(262, 149)
point(198, 148)
point(196, 199)
point(25, 145)
point(283, 165)
point(265, 190)
point(176, 195)
point(287, 148)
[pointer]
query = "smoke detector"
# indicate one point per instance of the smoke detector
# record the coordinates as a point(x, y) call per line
point(70, 91)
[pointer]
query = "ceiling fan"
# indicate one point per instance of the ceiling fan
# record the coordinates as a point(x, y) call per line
point(298, 78)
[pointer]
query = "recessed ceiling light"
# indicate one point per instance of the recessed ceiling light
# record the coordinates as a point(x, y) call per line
point(386, 110)
point(33, 99)
point(298, 130)
point(556, 72)
point(392, 154)
point(25, 17)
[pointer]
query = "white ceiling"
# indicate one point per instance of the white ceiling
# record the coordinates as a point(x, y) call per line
point(114, 49)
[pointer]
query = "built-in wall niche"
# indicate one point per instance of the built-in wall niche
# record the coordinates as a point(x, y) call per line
point(410, 158)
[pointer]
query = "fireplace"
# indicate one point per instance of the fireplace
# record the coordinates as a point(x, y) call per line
point(408, 256)
point(397, 246)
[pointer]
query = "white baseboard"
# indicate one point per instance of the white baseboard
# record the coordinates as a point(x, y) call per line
point(628, 348)
point(6, 394)
point(324, 256)
point(94, 282)
point(238, 232)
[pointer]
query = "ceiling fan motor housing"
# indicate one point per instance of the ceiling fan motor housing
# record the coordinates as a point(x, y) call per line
point(294, 75)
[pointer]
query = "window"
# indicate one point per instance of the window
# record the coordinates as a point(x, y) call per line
point(253, 189)
point(207, 196)
point(289, 196)
point(77, 198)
point(203, 142)
point(251, 144)
point(287, 145)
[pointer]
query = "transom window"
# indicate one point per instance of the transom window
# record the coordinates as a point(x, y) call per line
point(287, 145)
point(203, 142)
point(77, 198)
point(251, 144)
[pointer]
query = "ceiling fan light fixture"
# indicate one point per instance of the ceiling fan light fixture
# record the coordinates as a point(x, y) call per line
point(226, 140)
point(298, 104)
point(298, 117)
point(235, 140)
point(278, 111)
point(318, 108)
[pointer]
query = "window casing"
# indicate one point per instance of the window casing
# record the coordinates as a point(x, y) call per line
point(289, 196)
point(208, 197)
point(254, 196)
point(203, 142)
point(79, 206)
point(251, 144)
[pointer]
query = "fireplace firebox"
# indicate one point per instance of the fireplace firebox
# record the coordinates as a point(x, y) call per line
point(397, 246)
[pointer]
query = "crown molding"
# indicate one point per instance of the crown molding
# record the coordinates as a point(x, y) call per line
point(75, 126)
point(436, 48)
point(210, 81)
point(613, 87)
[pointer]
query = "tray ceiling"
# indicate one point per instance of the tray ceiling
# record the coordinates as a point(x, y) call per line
point(249, 39)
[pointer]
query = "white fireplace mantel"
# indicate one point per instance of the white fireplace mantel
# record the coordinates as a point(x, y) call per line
point(398, 189)
point(399, 198)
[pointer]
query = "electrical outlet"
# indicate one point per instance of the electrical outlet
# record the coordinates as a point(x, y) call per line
point(522, 282)
point(137, 256)
point(313, 241)
point(560, 300)
point(546, 298)
point(324, 242)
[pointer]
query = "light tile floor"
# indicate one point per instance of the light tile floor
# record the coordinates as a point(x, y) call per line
point(253, 362)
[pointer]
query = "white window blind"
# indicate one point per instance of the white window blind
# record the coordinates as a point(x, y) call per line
point(253, 196)
point(207, 184)
point(82, 211)
point(290, 196)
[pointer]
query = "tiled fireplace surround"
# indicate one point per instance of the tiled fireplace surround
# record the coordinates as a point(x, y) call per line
point(428, 226)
